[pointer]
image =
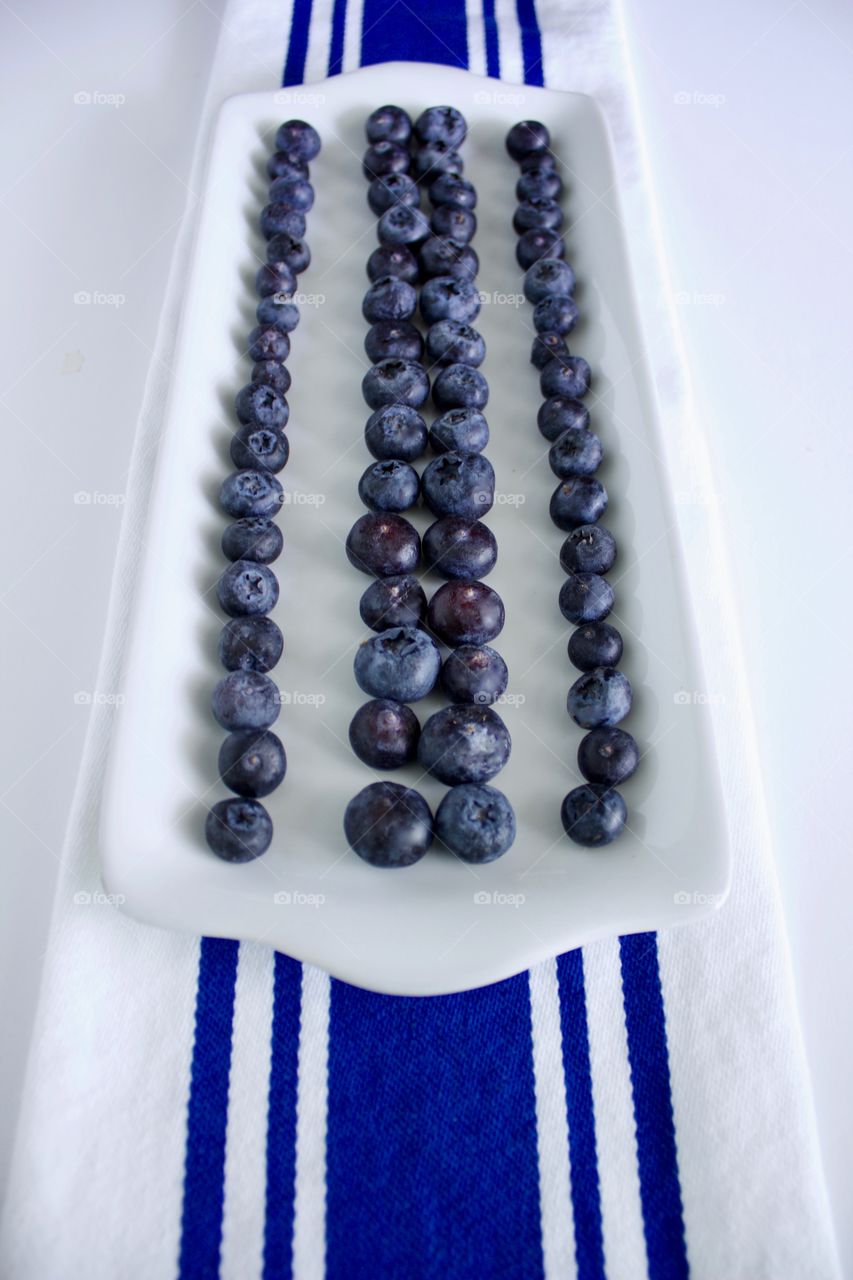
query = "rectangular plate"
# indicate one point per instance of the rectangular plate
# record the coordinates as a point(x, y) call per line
point(441, 925)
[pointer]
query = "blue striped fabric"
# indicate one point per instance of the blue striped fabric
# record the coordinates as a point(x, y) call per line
point(432, 1159)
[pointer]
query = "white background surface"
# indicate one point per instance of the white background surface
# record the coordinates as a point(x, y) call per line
point(746, 111)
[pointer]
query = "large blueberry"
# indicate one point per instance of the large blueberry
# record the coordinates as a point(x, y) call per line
point(275, 374)
point(251, 763)
point(400, 663)
point(548, 276)
point(395, 382)
point(260, 404)
point(389, 298)
point(246, 589)
point(280, 219)
point(457, 484)
point(299, 139)
point(538, 162)
point(238, 830)
point(474, 673)
point(453, 223)
point(459, 386)
point(402, 224)
point(546, 346)
point(268, 342)
point(526, 138)
point(291, 249)
point(567, 376)
point(602, 696)
point(541, 185)
point(250, 493)
point(596, 644)
point(575, 453)
point(448, 258)
point(384, 734)
point(459, 431)
point(536, 244)
point(555, 313)
point(588, 549)
point(396, 431)
point(464, 744)
point(585, 597)
point(284, 164)
point(561, 413)
point(383, 545)
point(393, 602)
point(465, 612)
point(449, 189)
point(436, 158)
point(382, 158)
point(458, 548)
point(441, 124)
point(391, 189)
point(580, 500)
point(295, 193)
point(537, 215)
point(393, 340)
point(393, 260)
point(388, 825)
point(259, 447)
point(253, 539)
point(391, 485)
point(608, 756)
point(278, 310)
point(453, 342)
point(275, 277)
point(245, 700)
point(475, 822)
point(388, 124)
point(445, 298)
point(593, 815)
point(250, 644)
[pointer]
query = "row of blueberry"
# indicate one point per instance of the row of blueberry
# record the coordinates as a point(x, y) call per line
point(246, 702)
point(464, 744)
point(593, 814)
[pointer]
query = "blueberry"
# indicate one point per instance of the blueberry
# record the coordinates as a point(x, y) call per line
point(389, 298)
point(441, 124)
point(457, 548)
point(393, 340)
point(459, 431)
point(526, 138)
point(280, 219)
point(585, 597)
point(393, 602)
point(396, 431)
point(555, 313)
point(245, 700)
point(246, 589)
point(454, 224)
point(298, 139)
point(294, 193)
point(444, 298)
point(268, 342)
point(448, 258)
point(382, 158)
point(538, 162)
point(388, 825)
point(575, 453)
point(593, 815)
point(435, 159)
point(278, 310)
point(608, 756)
point(290, 249)
point(251, 763)
point(474, 673)
point(475, 822)
point(565, 376)
point(238, 830)
point(559, 414)
point(536, 244)
point(602, 696)
point(391, 485)
point(457, 484)
point(449, 189)
point(388, 124)
point(545, 347)
point(384, 734)
point(275, 277)
point(400, 663)
point(458, 386)
point(540, 214)
point(546, 277)
point(252, 539)
point(464, 744)
point(581, 500)
point(384, 545)
point(393, 260)
point(250, 493)
point(393, 188)
point(465, 612)
point(284, 164)
point(402, 224)
point(395, 382)
point(596, 644)
point(588, 549)
point(261, 448)
point(250, 644)
point(262, 406)
point(272, 373)
point(541, 185)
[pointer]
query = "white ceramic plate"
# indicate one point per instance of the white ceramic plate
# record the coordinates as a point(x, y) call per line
point(441, 925)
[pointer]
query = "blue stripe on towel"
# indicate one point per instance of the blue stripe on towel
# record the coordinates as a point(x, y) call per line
point(410, 31)
point(531, 42)
point(432, 1167)
point(281, 1119)
point(490, 31)
point(657, 1158)
point(336, 46)
point(207, 1111)
point(586, 1200)
point(297, 48)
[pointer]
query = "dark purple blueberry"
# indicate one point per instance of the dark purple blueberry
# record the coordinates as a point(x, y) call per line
point(545, 347)
point(575, 453)
point(275, 277)
point(272, 373)
point(246, 590)
point(245, 700)
point(454, 191)
point(250, 493)
point(393, 260)
point(536, 244)
point(278, 310)
point(382, 158)
point(395, 382)
point(268, 342)
point(238, 830)
point(585, 597)
point(441, 124)
point(596, 644)
point(435, 159)
point(261, 448)
point(261, 405)
point(559, 414)
point(384, 545)
point(250, 644)
point(284, 164)
point(457, 484)
point(608, 756)
point(458, 548)
point(393, 340)
point(384, 734)
point(299, 139)
point(290, 249)
point(252, 539)
point(588, 549)
point(458, 386)
point(555, 313)
point(454, 224)
point(527, 138)
point(402, 224)
point(388, 825)
point(565, 376)
point(547, 277)
point(475, 822)
point(389, 298)
point(541, 185)
point(400, 663)
point(454, 342)
point(252, 764)
point(581, 500)
point(537, 215)
point(465, 612)
point(448, 258)
point(538, 162)
point(459, 431)
point(390, 485)
point(396, 431)
point(393, 602)
point(602, 696)
point(475, 674)
point(294, 193)
point(444, 298)
point(280, 219)
point(464, 744)
point(388, 124)
point(593, 815)
point(394, 188)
